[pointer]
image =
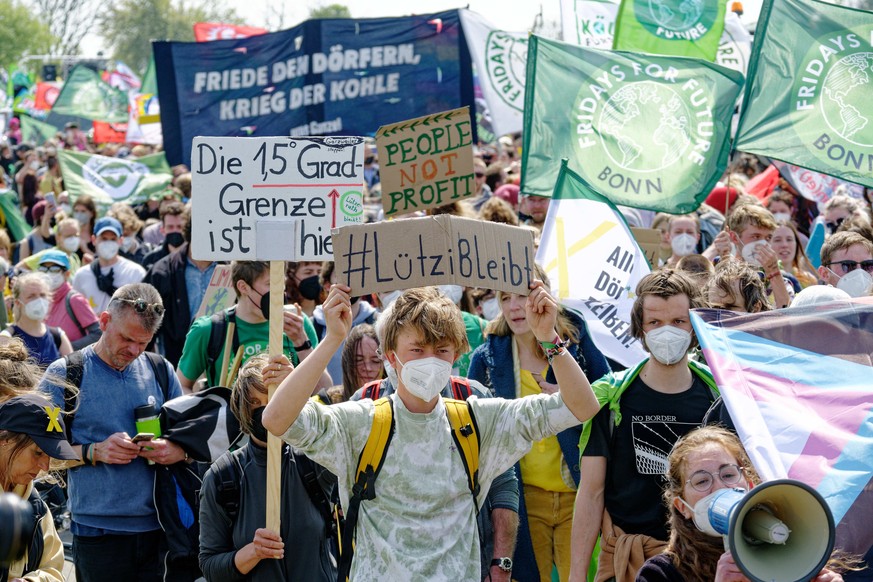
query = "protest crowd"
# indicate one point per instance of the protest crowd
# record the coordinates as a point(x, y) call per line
point(574, 424)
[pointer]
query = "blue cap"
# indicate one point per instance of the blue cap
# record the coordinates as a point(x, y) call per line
point(56, 257)
point(107, 223)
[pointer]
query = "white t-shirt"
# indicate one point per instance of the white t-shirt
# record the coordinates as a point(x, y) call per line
point(422, 523)
point(84, 281)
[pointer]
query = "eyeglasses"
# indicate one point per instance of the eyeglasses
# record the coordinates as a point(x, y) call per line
point(833, 226)
point(140, 305)
point(479, 174)
point(849, 266)
point(728, 474)
point(51, 269)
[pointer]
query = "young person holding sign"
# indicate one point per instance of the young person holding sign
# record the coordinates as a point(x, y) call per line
point(422, 521)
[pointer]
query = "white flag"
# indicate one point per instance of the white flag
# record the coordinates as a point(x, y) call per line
point(589, 23)
point(500, 59)
point(594, 264)
point(735, 46)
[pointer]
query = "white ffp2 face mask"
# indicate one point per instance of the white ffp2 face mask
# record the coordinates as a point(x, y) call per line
point(668, 344)
point(490, 308)
point(425, 378)
point(37, 309)
point(107, 250)
point(683, 244)
point(749, 252)
point(858, 283)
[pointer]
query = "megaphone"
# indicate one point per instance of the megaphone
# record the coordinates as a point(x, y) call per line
point(780, 531)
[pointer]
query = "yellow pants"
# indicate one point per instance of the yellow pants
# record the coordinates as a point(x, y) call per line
point(550, 521)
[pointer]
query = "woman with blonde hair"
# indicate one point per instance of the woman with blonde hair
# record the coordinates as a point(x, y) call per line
point(31, 433)
point(513, 364)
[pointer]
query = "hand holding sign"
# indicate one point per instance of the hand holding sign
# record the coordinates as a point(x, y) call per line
point(541, 310)
point(338, 311)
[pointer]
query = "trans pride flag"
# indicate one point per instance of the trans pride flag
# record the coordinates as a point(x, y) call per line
point(798, 384)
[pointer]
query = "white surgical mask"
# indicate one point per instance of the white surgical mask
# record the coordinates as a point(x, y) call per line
point(683, 244)
point(55, 280)
point(490, 308)
point(782, 217)
point(749, 252)
point(453, 292)
point(82, 217)
point(858, 283)
point(37, 309)
point(107, 250)
point(71, 244)
point(668, 344)
point(425, 378)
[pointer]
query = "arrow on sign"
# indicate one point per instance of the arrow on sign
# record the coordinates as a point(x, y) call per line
point(333, 195)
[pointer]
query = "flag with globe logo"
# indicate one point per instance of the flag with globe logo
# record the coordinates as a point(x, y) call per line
point(110, 180)
point(810, 88)
point(85, 94)
point(690, 28)
point(645, 131)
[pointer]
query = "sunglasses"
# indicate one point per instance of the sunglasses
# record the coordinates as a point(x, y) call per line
point(51, 269)
point(140, 305)
point(833, 226)
point(849, 266)
point(479, 174)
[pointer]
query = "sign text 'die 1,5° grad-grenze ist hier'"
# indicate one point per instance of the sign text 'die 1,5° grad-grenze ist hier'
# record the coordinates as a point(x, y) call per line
point(273, 198)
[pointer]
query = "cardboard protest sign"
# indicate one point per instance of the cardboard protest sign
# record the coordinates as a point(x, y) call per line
point(219, 294)
point(273, 198)
point(426, 162)
point(649, 240)
point(433, 250)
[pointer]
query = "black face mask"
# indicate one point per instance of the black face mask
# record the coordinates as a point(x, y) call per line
point(258, 430)
point(174, 239)
point(265, 305)
point(310, 288)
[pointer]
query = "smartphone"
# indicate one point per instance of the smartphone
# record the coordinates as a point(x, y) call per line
point(142, 437)
point(50, 199)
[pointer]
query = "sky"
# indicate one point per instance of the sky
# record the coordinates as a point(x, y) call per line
point(509, 15)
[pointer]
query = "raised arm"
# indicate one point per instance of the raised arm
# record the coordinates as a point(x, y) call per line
point(295, 390)
point(542, 312)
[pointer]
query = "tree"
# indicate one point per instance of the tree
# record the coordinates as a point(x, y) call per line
point(330, 11)
point(69, 22)
point(130, 25)
point(21, 34)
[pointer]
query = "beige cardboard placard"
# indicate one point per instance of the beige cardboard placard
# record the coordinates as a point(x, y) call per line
point(433, 250)
point(219, 294)
point(426, 162)
point(649, 240)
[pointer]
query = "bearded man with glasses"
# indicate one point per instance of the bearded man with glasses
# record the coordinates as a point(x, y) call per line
point(116, 534)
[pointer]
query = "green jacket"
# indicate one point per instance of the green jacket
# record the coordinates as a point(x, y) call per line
point(609, 389)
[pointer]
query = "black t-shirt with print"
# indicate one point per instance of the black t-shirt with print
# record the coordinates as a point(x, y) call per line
point(637, 456)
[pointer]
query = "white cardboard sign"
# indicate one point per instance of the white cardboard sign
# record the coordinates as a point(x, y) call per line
point(273, 198)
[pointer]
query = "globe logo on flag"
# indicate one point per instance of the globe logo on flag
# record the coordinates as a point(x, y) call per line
point(640, 103)
point(118, 178)
point(846, 87)
point(506, 57)
point(671, 20)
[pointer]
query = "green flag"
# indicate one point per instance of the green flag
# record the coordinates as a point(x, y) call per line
point(111, 180)
point(645, 131)
point(11, 217)
point(808, 101)
point(684, 28)
point(35, 131)
point(85, 94)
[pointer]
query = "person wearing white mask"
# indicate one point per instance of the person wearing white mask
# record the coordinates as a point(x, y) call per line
point(683, 235)
point(67, 237)
point(847, 263)
point(644, 410)
point(31, 296)
point(421, 524)
point(110, 271)
point(69, 309)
